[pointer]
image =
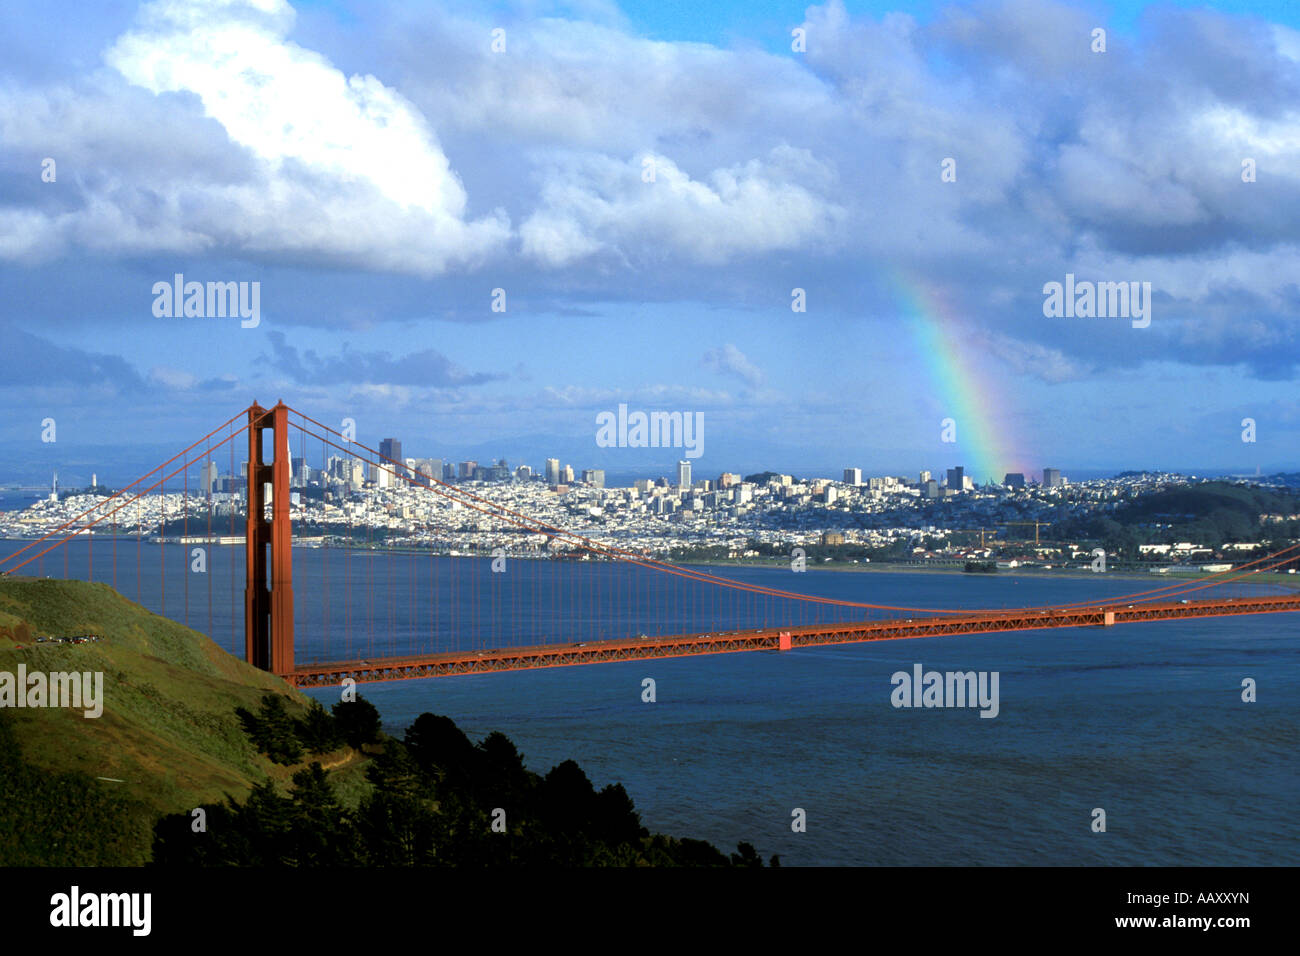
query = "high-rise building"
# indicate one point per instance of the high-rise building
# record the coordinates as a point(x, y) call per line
point(594, 477)
point(684, 474)
point(957, 479)
point(391, 449)
point(468, 470)
point(1052, 478)
point(1014, 479)
point(210, 477)
point(930, 488)
point(922, 478)
point(853, 476)
point(552, 471)
point(566, 474)
point(523, 472)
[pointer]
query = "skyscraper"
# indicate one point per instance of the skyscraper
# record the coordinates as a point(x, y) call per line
point(1052, 478)
point(1014, 479)
point(391, 448)
point(853, 476)
point(957, 479)
point(684, 474)
point(552, 471)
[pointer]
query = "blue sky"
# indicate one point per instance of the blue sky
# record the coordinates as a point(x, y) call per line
point(378, 169)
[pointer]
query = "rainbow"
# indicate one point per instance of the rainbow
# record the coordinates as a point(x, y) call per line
point(970, 399)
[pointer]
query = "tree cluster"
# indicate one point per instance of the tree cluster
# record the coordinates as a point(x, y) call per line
point(435, 799)
point(285, 738)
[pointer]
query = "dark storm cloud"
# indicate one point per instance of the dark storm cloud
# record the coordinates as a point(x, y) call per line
point(31, 360)
point(426, 368)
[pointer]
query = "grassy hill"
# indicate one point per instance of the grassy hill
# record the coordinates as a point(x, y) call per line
point(168, 730)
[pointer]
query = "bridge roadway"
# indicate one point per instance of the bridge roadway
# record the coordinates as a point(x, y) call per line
point(769, 639)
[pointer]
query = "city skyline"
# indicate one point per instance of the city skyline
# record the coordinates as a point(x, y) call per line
point(506, 263)
point(131, 462)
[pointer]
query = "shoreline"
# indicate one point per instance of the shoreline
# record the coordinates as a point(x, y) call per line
point(776, 564)
point(1127, 574)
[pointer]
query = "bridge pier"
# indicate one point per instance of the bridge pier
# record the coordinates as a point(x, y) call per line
point(268, 604)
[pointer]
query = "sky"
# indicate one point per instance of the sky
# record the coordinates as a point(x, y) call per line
point(652, 187)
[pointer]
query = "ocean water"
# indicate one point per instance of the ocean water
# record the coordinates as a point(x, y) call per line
point(1144, 721)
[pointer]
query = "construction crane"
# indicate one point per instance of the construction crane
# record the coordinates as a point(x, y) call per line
point(982, 531)
point(1035, 524)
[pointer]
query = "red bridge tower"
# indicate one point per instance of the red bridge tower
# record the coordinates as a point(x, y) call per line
point(268, 605)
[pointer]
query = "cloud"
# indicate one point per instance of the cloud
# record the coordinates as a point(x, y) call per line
point(606, 205)
point(327, 167)
point(32, 361)
point(173, 377)
point(427, 368)
point(729, 360)
point(219, 133)
point(674, 397)
point(1047, 364)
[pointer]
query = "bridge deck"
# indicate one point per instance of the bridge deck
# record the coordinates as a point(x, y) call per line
point(684, 645)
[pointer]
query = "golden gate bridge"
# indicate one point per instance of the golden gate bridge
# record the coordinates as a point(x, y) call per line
point(651, 608)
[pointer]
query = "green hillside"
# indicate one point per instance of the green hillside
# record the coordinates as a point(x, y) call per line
point(168, 731)
point(181, 729)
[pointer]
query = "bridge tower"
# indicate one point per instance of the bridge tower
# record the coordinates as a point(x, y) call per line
point(268, 604)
